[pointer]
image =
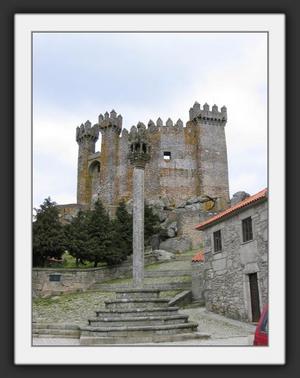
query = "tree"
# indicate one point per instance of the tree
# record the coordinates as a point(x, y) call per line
point(48, 239)
point(77, 237)
point(121, 246)
point(99, 232)
point(151, 225)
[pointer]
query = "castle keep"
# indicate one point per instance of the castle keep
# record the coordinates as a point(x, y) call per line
point(186, 160)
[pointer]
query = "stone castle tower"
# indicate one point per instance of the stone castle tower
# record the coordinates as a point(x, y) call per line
point(186, 161)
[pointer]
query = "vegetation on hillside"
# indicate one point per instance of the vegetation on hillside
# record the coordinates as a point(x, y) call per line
point(91, 238)
point(48, 239)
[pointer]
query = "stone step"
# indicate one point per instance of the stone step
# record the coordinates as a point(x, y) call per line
point(157, 286)
point(138, 312)
point(136, 303)
point(134, 293)
point(66, 327)
point(52, 332)
point(167, 273)
point(106, 321)
point(138, 331)
point(183, 258)
point(146, 339)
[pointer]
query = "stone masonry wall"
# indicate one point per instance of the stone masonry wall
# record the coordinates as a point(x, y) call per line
point(226, 273)
point(73, 280)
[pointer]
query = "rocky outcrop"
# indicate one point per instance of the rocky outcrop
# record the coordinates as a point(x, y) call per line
point(162, 255)
point(238, 197)
point(178, 244)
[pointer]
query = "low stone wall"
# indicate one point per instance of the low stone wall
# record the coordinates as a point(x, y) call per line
point(49, 281)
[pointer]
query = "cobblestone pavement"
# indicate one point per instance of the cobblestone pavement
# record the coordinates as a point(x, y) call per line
point(218, 326)
point(75, 308)
point(69, 308)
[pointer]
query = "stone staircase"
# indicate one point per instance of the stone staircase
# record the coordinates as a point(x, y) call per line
point(147, 315)
point(138, 316)
point(164, 276)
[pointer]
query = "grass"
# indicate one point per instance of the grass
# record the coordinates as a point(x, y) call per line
point(150, 280)
point(70, 263)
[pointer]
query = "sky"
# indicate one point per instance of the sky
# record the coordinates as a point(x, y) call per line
point(143, 76)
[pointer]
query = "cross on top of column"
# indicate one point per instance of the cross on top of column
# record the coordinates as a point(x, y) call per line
point(139, 146)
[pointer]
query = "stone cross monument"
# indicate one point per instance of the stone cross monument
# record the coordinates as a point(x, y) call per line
point(139, 155)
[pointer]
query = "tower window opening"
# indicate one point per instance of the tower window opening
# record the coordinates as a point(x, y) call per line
point(167, 155)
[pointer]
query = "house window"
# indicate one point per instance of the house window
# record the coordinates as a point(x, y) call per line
point(247, 229)
point(167, 155)
point(217, 241)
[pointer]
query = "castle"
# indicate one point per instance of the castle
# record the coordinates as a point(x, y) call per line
point(186, 161)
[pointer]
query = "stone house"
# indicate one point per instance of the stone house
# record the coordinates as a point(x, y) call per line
point(235, 271)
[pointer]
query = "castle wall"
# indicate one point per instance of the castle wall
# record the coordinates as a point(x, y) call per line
point(152, 176)
point(86, 137)
point(110, 126)
point(197, 164)
point(178, 176)
point(124, 169)
point(213, 161)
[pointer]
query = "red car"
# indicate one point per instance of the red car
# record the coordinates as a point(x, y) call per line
point(261, 333)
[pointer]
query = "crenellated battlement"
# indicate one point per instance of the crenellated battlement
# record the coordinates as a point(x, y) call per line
point(86, 131)
point(168, 126)
point(110, 120)
point(205, 115)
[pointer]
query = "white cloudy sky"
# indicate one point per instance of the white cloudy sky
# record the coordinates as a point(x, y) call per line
point(78, 76)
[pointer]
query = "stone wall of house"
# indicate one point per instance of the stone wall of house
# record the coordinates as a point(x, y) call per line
point(74, 280)
point(227, 289)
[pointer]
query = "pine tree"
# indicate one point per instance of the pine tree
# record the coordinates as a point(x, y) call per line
point(48, 239)
point(121, 246)
point(151, 226)
point(99, 229)
point(77, 237)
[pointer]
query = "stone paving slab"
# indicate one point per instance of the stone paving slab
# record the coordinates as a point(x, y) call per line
point(230, 341)
point(219, 327)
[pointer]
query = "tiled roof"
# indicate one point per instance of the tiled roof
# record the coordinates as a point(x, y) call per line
point(199, 257)
point(231, 210)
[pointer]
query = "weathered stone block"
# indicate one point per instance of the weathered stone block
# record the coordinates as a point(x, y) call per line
point(178, 244)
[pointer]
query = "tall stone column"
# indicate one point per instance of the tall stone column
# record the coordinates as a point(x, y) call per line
point(138, 226)
point(139, 155)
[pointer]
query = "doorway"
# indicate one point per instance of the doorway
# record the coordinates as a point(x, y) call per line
point(254, 296)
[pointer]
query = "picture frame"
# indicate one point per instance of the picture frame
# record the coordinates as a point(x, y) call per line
point(24, 25)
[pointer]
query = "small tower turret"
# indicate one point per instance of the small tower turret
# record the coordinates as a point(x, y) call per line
point(86, 137)
point(110, 126)
point(212, 151)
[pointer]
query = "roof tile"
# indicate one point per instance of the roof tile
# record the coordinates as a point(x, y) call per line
point(256, 197)
point(199, 257)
